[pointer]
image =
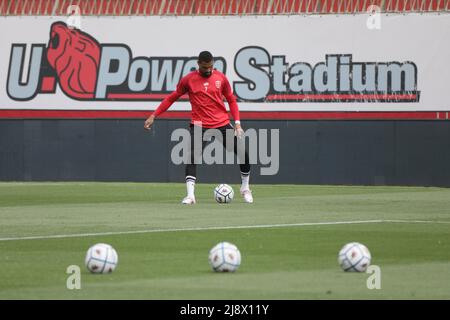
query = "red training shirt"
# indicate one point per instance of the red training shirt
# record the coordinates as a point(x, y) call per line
point(206, 97)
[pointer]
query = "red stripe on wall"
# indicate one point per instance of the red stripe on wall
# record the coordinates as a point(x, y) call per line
point(286, 97)
point(142, 96)
point(341, 96)
point(245, 115)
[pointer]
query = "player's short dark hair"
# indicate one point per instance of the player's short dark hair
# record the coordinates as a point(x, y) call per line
point(205, 56)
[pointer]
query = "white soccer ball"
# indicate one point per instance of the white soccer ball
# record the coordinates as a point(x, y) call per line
point(224, 257)
point(223, 193)
point(101, 258)
point(354, 257)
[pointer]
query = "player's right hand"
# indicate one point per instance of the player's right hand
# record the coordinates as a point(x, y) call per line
point(238, 131)
point(148, 123)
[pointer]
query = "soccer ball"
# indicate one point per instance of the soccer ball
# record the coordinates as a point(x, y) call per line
point(354, 256)
point(101, 258)
point(224, 257)
point(223, 193)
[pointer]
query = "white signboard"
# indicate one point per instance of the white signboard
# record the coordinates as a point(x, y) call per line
point(274, 63)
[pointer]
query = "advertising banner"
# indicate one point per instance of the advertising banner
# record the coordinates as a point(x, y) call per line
point(346, 63)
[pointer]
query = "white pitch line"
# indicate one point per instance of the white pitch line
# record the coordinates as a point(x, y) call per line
point(418, 221)
point(79, 235)
point(59, 236)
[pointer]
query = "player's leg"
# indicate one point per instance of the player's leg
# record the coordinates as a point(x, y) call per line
point(245, 175)
point(240, 151)
point(191, 169)
point(190, 184)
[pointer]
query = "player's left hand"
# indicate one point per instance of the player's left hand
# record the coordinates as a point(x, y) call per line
point(238, 131)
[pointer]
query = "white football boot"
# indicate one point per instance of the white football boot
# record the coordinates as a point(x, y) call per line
point(188, 200)
point(247, 194)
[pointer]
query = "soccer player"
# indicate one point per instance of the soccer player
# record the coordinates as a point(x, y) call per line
point(206, 88)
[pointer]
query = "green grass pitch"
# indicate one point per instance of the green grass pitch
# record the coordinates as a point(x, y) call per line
point(289, 240)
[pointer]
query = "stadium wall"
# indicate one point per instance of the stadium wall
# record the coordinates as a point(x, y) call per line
point(386, 152)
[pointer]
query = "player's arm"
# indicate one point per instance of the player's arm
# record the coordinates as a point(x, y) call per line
point(234, 109)
point(166, 103)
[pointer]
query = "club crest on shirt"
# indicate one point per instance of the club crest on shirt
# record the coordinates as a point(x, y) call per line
point(218, 83)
